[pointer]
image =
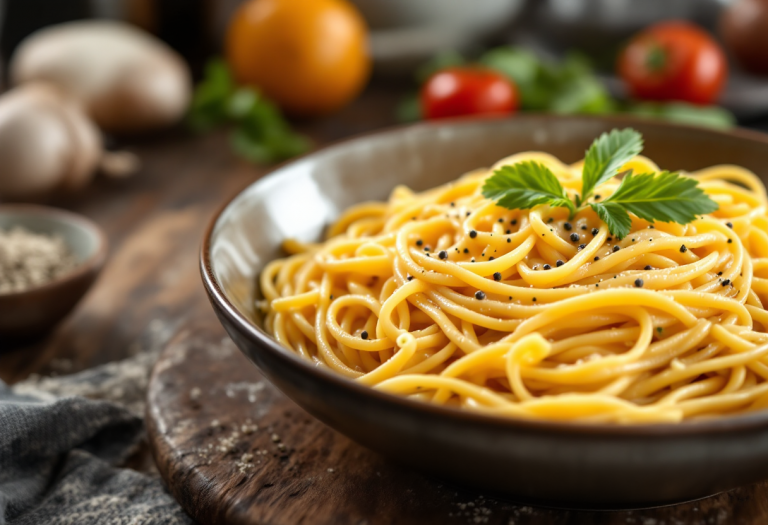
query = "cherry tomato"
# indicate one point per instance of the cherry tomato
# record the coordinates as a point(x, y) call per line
point(461, 91)
point(674, 61)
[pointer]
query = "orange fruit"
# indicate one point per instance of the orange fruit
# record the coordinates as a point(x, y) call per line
point(309, 56)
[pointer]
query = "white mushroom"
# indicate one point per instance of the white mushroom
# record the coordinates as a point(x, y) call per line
point(126, 79)
point(47, 144)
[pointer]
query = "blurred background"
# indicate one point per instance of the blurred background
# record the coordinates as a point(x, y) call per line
point(263, 69)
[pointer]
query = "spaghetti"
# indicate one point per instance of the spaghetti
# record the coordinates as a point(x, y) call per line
point(445, 297)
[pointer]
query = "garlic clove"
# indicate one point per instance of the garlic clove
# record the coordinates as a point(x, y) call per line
point(35, 147)
point(86, 146)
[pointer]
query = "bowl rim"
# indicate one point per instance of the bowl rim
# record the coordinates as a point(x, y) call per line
point(93, 262)
point(726, 424)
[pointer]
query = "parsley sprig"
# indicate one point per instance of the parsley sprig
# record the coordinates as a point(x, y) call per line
point(666, 197)
point(260, 133)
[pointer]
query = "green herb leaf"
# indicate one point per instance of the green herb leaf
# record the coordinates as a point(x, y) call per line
point(261, 133)
point(409, 108)
point(525, 185)
point(209, 102)
point(614, 216)
point(666, 197)
point(691, 114)
point(606, 155)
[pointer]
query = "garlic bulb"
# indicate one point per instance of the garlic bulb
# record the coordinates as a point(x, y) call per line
point(126, 80)
point(46, 143)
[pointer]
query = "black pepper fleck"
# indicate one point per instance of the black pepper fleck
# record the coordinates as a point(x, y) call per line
point(472, 234)
point(595, 231)
point(638, 283)
point(648, 267)
point(497, 276)
point(410, 277)
point(574, 237)
point(683, 249)
point(597, 258)
point(509, 240)
point(443, 254)
point(419, 242)
point(501, 220)
point(534, 299)
point(547, 267)
point(559, 262)
point(726, 282)
point(616, 248)
point(597, 197)
point(479, 295)
point(364, 334)
point(584, 228)
point(582, 246)
point(490, 258)
point(550, 219)
point(729, 224)
point(730, 241)
point(509, 231)
point(466, 250)
point(568, 226)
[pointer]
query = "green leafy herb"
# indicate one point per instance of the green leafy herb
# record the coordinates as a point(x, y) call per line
point(260, 132)
point(615, 217)
point(525, 185)
point(684, 113)
point(666, 197)
point(606, 155)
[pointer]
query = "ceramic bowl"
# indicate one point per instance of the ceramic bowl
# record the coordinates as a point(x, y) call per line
point(572, 465)
point(35, 311)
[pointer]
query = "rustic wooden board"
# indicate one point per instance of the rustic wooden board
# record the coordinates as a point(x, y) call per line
point(235, 450)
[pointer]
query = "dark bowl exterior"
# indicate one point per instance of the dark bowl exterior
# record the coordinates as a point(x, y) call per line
point(573, 465)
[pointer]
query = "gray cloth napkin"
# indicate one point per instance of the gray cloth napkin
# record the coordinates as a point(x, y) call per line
point(59, 453)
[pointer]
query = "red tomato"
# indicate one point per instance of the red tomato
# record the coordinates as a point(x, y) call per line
point(461, 91)
point(674, 61)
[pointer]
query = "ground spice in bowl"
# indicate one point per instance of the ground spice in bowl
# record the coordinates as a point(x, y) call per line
point(29, 259)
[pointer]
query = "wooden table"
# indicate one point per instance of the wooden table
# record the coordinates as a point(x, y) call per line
point(151, 283)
